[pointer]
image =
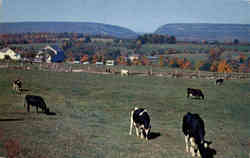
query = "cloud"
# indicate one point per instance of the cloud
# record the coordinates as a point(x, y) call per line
point(1, 2)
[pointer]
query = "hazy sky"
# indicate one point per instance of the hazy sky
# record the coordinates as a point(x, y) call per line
point(138, 15)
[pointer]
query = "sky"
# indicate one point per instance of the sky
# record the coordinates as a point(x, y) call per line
point(137, 15)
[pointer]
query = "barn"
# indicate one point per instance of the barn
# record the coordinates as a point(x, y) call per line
point(52, 54)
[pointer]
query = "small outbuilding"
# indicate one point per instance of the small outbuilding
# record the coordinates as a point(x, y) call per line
point(7, 52)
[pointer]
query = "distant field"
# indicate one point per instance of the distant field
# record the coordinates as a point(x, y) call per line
point(191, 47)
point(92, 115)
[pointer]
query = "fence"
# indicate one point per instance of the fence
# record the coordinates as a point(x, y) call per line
point(101, 69)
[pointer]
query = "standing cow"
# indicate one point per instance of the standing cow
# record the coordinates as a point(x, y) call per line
point(219, 81)
point(37, 101)
point(17, 86)
point(124, 72)
point(195, 92)
point(194, 132)
point(140, 119)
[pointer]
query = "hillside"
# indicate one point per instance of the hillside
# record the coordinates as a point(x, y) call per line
point(60, 27)
point(203, 31)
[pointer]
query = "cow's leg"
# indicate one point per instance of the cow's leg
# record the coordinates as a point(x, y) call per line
point(198, 153)
point(36, 108)
point(147, 134)
point(28, 107)
point(193, 145)
point(137, 131)
point(186, 141)
point(141, 133)
point(131, 123)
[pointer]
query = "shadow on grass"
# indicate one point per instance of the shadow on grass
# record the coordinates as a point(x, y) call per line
point(197, 98)
point(11, 120)
point(154, 135)
point(25, 90)
point(50, 113)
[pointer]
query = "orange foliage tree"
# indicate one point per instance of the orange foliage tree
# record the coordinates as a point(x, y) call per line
point(161, 60)
point(242, 67)
point(213, 67)
point(94, 59)
point(224, 67)
point(84, 58)
point(242, 58)
point(121, 60)
point(186, 64)
point(144, 60)
point(70, 57)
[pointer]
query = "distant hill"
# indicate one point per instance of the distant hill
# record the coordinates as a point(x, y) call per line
point(60, 27)
point(203, 31)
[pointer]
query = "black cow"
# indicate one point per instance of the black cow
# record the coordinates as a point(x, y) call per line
point(219, 81)
point(36, 101)
point(194, 132)
point(140, 119)
point(17, 86)
point(195, 92)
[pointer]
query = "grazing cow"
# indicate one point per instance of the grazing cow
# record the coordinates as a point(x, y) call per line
point(219, 81)
point(194, 132)
point(17, 86)
point(36, 101)
point(195, 92)
point(140, 119)
point(124, 72)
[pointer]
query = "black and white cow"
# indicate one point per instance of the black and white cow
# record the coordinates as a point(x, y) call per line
point(37, 101)
point(219, 81)
point(124, 72)
point(194, 131)
point(195, 92)
point(140, 119)
point(17, 86)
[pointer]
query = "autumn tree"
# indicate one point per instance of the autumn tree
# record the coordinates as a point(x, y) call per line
point(84, 58)
point(242, 58)
point(242, 68)
point(94, 58)
point(121, 60)
point(186, 65)
point(224, 67)
point(213, 66)
point(145, 61)
point(198, 65)
point(161, 60)
point(70, 57)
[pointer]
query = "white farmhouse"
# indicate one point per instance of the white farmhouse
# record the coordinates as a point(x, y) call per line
point(9, 52)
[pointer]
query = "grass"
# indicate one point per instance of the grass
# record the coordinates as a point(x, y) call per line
point(92, 115)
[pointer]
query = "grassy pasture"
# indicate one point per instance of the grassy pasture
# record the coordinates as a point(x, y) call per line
point(92, 115)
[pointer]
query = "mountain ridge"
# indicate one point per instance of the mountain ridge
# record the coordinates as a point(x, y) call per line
point(206, 31)
point(91, 28)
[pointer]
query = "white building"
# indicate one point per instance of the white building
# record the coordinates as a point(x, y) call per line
point(110, 62)
point(9, 52)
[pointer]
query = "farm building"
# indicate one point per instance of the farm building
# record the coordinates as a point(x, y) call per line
point(134, 57)
point(110, 62)
point(51, 54)
point(10, 53)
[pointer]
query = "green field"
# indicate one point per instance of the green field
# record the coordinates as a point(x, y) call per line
point(92, 115)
